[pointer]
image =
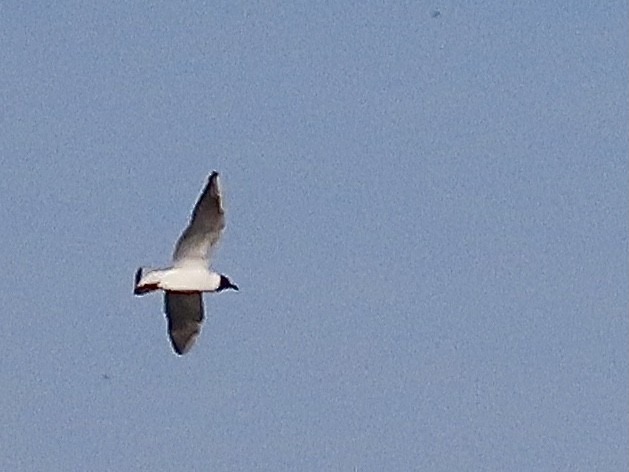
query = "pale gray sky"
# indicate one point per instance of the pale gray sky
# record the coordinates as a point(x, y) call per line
point(427, 219)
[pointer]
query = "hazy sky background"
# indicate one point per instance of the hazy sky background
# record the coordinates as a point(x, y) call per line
point(427, 219)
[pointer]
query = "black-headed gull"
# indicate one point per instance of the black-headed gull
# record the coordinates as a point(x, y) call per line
point(184, 283)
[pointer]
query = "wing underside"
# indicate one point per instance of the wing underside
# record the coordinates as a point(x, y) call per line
point(184, 312)
point(206, 224)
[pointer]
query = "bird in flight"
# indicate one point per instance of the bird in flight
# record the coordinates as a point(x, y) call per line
point(189, 276)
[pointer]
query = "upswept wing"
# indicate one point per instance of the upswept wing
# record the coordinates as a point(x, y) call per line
point(184, 312)
point(205, 227)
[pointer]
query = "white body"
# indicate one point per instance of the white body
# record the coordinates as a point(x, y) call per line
point(194, 278)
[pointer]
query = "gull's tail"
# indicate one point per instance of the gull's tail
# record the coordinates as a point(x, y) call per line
point(141, 289)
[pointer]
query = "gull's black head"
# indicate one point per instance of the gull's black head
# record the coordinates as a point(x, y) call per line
point(226, 283)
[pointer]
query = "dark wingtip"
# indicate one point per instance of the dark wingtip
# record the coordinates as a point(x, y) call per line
point(182, 346)
point(213, 186)
point(176, 350)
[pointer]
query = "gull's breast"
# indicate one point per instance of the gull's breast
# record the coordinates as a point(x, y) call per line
point(189, 279)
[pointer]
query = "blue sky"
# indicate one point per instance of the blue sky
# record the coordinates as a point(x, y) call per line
point(427, 219)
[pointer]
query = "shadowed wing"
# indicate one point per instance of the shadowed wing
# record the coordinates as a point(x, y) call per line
point(184, 312)
point(205, 227)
